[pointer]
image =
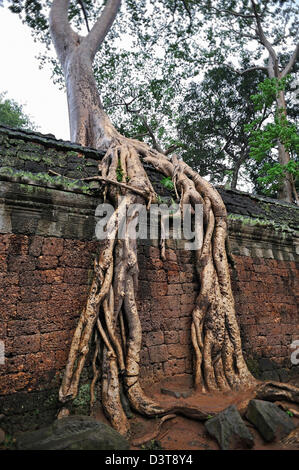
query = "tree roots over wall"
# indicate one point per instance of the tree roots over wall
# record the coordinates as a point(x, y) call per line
point(110, 318)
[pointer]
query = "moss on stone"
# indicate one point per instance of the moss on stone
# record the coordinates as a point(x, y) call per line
point(48, 160)
point(31, 157)
point(71, 154)
point(46, 180)
point(253, 367)
point(261, 222)
point(81, 403)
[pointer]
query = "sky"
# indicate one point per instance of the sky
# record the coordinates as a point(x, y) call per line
point(24, 82)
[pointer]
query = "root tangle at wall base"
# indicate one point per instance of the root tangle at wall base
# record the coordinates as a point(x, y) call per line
point(111, 308)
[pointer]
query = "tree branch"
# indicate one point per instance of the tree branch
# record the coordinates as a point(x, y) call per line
point(171, 149)
point(140, 136)
point(62, 34)
point(232, 12)
point(101, 27)
point(82, 5)
point(291, 62)
point(104, 180)
point(250, 69)
point(146, 125)
point(186, 6)
point(263, 38)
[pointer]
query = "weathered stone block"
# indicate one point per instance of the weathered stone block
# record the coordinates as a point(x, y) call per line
point(158, 353)
point(154, 338)
point(177, 350)
point(47, 262)
point(271, 422)
point(52, 246)
point(26, 344)
point(171, 337)
point(73, 433)
point(229, 430)
point(174, 367)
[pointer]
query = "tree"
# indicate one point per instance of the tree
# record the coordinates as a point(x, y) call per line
point(211, 125)
point(265, 137)
point(111, 290)
point(266, 34)
point(219, 363)
point(12, 114)
point(147, 107)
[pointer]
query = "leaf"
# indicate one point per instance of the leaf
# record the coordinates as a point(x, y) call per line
point(167, 182)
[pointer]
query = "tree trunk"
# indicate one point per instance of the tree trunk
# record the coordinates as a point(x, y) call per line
point(286, 191)
point(89, 124)
point(236, 170)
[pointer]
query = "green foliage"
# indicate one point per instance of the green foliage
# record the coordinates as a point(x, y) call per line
point(264, 139)
point(290, 413)
point(119, 172)
point(167, 182)
point(272, 175)
point(12, 114)
point(152, 445)
point(268, 92)
point(82, 401)
point(9, 443)
point(211, 125)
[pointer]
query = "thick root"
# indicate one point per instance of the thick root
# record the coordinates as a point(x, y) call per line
point(273, 391)
point(111, 307)
point(155, 433)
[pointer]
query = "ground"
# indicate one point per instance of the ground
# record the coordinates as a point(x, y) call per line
point(181, 433)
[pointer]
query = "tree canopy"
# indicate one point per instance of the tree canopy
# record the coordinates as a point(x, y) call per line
point(12, 114)
point(211, 125)
point(156, 49)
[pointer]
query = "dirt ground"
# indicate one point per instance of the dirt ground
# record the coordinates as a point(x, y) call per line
point(181, 433)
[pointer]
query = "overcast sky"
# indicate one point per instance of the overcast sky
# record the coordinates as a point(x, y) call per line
point(25, 83)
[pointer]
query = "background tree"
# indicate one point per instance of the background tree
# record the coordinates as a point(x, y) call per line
point(264, 137)
point(211, 126)
point(12, 114)
point(168, 44)
point(265, 35)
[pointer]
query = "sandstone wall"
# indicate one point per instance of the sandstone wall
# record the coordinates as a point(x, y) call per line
point(47, 247)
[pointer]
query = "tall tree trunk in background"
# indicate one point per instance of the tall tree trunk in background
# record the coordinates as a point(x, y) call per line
point(238, 164)
point(287, 192)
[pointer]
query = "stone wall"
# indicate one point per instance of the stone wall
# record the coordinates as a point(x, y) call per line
point(46, 252)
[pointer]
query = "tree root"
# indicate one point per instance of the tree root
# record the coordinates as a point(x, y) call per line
point(111, 310)
point(273, 391)
point(285, 407)
point(152, 435)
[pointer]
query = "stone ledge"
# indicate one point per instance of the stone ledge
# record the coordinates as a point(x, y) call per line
point(49, 140)
point(50, 211)
point(27, 209)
